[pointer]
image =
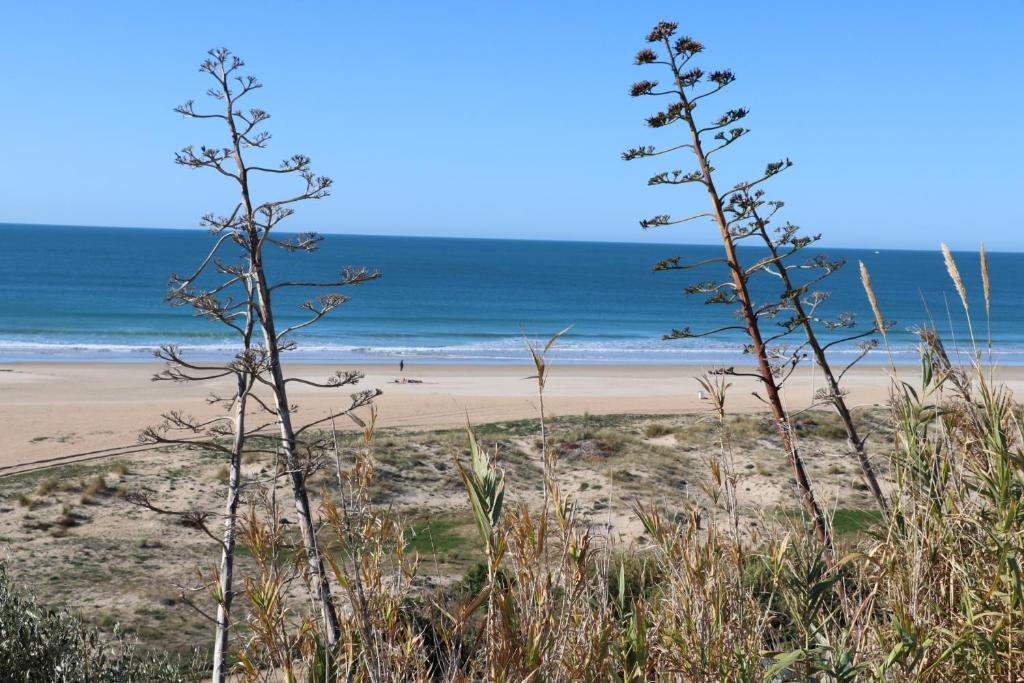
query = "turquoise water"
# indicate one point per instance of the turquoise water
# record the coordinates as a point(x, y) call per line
point(85, 293)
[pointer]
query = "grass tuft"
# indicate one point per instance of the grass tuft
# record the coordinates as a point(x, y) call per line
point(656, 429)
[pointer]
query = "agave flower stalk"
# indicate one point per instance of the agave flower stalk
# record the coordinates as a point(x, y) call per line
point(803, 302)
point(213, 303)
point(251, 226)
point(687, 89)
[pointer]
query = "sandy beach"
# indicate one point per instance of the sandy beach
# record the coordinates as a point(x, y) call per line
point(57, 410)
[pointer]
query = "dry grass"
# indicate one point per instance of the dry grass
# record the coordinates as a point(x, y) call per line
point(657, 429)
point(702, 585)
point(222, 474)
point(414, 476)
point(930, 595)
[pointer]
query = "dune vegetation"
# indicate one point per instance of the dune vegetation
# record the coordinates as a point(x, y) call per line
point(624, 548)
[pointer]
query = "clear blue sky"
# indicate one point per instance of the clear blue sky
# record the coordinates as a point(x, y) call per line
point(507, 119)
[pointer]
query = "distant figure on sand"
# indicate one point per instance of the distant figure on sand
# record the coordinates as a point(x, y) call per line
point(401, 365)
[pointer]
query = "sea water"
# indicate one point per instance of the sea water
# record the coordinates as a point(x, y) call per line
point(97, 293)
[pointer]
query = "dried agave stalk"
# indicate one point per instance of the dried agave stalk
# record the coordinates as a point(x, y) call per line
point(687, 89)
point(802, 301)
point(251, 226)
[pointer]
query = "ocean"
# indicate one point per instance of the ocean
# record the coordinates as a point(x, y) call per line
point(96, 294)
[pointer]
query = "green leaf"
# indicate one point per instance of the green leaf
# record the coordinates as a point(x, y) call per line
point(784, 661)
point(555, 337)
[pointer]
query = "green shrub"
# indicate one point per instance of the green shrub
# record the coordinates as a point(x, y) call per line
point(40, 645)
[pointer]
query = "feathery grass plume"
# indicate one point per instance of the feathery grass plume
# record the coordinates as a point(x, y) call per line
point(865, 278)
point(954, 274)
point(985, 284)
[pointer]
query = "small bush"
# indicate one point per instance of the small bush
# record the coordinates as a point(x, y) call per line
point(40, 645)
point(68, 518)
point(97, 485)
point(822, 425)
point(47, 486)
point(656, 429)
point(93, 487)
point(609, 439)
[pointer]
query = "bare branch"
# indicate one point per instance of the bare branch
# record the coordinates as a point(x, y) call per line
point(686, 333)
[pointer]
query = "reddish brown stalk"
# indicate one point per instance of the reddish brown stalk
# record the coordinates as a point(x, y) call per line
point(835, 396)
point(764, 369)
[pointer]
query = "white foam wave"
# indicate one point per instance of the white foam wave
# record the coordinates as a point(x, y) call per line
point(511, 349)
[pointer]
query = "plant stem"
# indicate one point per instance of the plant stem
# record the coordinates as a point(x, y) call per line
point(835, 395)
point(265, 315)
point(807, 500)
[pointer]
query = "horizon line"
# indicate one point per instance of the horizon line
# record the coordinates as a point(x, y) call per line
point(498, 239)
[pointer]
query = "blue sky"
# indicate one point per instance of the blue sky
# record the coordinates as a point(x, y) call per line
point(507, 119)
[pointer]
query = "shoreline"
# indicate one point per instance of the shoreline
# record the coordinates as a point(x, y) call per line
point(53, 410)
point(728, 354)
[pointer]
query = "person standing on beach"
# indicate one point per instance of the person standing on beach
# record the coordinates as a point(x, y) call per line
point(401, 365)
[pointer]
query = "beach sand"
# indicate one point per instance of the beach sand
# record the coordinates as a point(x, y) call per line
point(58, 410)
point(72, 534)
